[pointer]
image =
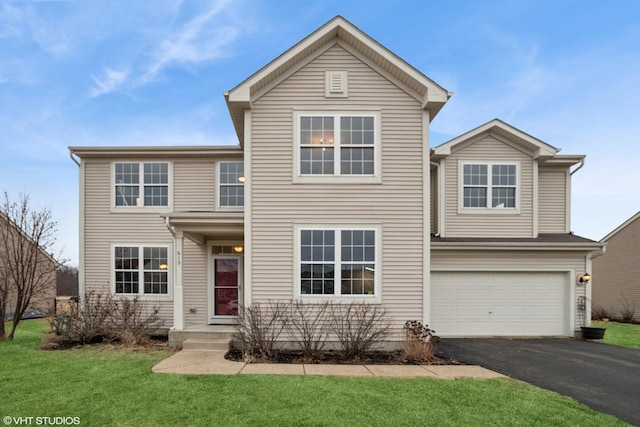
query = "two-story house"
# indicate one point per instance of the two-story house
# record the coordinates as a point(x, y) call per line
point(333, 194)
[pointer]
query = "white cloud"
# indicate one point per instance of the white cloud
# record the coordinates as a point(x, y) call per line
point(111, 81)
point(199, 40)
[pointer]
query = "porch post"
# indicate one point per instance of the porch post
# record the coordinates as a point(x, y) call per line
point(178, 290)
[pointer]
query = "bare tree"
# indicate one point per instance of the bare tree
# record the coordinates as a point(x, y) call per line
point(27, 236)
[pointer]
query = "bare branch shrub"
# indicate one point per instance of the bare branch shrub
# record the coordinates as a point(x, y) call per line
point(420, 342)
point(628, 311)
point(103, 317)
point(259, 328)
point(358, 326)
point(307, 327)
point(598, 312)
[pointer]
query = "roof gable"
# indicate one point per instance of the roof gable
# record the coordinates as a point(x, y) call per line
point(338, 30)
point(621, 227)
point(538, 148)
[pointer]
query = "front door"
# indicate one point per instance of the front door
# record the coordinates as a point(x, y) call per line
point(227, 283)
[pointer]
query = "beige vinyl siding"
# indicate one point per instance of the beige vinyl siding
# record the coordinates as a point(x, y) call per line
point(395, 205)
point(195, 283)
point(615, 274)
point(194, 185)
point(552, 200)
point(104, 228)
point(529, 261)
point(491, 224)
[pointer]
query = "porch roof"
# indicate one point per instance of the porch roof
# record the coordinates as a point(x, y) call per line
point(202, 226)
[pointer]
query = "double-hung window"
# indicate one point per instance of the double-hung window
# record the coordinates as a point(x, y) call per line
point(141, 270)
point(141, 184)
point(231, 185)
point(338, 262)
point(489, 185)
point(340, 144)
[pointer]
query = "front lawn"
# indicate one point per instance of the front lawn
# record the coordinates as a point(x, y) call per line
point(113, 386)
point(623, 334)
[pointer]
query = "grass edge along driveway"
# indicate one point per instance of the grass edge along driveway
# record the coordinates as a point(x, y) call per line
point(115, 386)
point(622, 334)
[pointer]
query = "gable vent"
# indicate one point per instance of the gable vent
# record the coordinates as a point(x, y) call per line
point(336, 84)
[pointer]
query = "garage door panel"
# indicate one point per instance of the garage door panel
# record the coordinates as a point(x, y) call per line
point(496, 303)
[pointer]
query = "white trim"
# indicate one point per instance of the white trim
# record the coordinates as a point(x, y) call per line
point(337, 177)
point(178, 294)
point(535, 225)
point(587, 290)
point(82, 234)
point(141, 294)
point(488, 210)
point(567, 223)
point(219, 207)
point(426, 222)
point(441, 199)
point(376, 298)
point(248, 210)
point(141, 209)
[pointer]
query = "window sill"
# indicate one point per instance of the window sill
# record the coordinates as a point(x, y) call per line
point(339, 299)
point(146, 298)
point(488, 211)
point(141, 210)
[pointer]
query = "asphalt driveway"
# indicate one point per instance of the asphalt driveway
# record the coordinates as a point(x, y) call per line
point(603, 377)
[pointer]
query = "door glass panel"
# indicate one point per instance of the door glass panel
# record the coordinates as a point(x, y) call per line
point(226, 287)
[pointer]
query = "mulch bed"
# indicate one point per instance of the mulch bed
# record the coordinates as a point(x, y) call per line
point(334, 357)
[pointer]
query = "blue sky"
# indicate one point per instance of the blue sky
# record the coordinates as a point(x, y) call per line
point(127, 72)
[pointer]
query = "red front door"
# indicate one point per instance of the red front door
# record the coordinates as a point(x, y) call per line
point(227, 275)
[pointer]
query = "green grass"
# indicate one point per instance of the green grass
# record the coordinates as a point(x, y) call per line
point(112, 386)
point(623, 334)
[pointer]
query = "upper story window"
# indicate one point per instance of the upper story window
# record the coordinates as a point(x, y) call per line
point(337, 261)
point(231, 184)
point(141, 270)
point(489, 185)
point(142, 184)
point(340, 144)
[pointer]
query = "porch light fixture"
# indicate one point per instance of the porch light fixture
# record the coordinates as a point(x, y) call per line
point(163, 266)
point(238, 249)
point(584, 279)
point(241, 179)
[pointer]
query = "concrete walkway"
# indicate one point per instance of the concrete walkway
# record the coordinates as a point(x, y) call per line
point(212, 362)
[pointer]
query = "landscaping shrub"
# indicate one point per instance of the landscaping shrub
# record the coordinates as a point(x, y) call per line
point(420, 342)
point(259, 328)
point(105, 318)
point(307, 327)
point(598, 312)
point(628, 311)
point(358, 327)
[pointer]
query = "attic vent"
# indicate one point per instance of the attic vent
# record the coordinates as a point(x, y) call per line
point(336, 84)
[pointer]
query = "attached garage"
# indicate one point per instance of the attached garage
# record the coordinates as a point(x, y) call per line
point(500, 303)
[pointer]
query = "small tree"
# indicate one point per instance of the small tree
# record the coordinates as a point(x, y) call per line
point(27, 236)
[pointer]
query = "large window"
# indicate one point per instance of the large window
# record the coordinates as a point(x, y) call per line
point(337, 262)
point(487, 185)
point(141, 270)
point(231, 184)
point(337, 144)
point(141, 184)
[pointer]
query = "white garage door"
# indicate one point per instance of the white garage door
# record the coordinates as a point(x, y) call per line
point(499, 304)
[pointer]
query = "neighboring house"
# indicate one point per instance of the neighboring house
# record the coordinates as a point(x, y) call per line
point(333, 193)
point(20, 243)
point(616, 272)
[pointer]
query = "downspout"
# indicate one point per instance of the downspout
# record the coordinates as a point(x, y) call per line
point(169, 227)
point(71, 154)
point(578, 168)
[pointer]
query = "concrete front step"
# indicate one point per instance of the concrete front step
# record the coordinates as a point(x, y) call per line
point(205, 344)
point(210, 332)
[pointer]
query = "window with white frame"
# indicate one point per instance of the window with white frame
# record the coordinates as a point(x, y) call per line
point(489, 185)
point(231, 184)
point(338, 262)
point(141, 270)
point(337, 144)
point(141, 184)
